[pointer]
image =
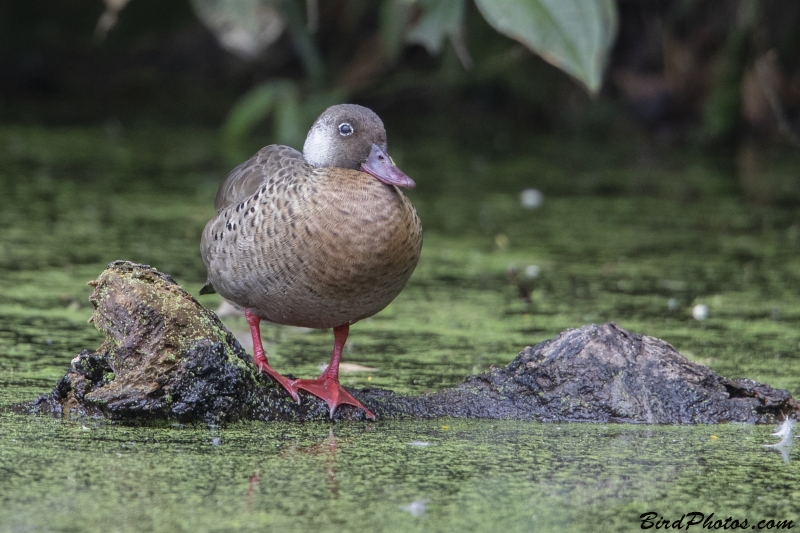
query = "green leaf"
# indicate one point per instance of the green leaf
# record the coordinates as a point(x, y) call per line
point(252, 108)
point(393, 16)
point(439, 19)
point(304, 43)
point(574, 35)
point(244, 27)
point(289, 124)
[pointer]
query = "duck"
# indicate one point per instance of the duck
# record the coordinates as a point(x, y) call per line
point(321, 238)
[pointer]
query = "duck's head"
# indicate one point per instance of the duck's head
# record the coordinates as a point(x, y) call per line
point(352, 136)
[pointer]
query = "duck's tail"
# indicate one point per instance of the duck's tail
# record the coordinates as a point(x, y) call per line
point(208, 289)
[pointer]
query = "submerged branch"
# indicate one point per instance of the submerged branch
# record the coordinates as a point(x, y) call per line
point(167, 357)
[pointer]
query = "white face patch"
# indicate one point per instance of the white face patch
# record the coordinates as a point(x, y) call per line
point(318, 148)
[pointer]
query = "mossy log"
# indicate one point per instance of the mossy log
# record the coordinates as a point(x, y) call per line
point(167, 357)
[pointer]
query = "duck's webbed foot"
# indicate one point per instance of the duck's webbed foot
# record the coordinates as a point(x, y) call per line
point(326, 386)
point(331, 391)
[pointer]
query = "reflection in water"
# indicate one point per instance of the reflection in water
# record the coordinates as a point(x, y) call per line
point(784, 446)
point(474, 476)
point(416, 508)
point(326, 450)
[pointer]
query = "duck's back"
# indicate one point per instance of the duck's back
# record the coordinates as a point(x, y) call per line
point(273, 162)
point(305, 246)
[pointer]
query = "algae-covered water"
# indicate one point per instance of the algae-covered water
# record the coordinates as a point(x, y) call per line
point(626, 232)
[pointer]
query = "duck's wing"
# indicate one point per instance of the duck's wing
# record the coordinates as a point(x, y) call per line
point(243, 181)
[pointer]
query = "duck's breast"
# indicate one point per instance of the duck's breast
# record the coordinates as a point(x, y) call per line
point(331, 249)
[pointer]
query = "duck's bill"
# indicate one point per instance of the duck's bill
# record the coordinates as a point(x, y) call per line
point(380, 165)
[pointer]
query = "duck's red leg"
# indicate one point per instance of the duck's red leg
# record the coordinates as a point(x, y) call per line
point(327, 386)
point(260, 358)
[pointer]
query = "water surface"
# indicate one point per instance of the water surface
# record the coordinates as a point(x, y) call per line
point(626, 233)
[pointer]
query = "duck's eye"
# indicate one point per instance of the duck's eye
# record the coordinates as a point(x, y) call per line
point(345, 129)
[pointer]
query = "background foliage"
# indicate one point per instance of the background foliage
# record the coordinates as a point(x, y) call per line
point(719, 74)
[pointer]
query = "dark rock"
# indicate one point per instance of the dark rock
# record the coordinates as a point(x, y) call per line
point(602, 373)
point(167, 357)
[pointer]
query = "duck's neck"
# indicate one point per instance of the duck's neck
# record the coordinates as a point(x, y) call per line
point(318, 149)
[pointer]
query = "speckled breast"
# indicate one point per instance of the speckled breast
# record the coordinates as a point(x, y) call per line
point(330, 250)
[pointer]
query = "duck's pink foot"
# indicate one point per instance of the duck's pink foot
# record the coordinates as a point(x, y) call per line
point(260, 358)
point(286, 383)
point(329, 390)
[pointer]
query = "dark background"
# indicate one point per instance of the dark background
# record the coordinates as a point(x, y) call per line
point(719, 77)
point(683, 71)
